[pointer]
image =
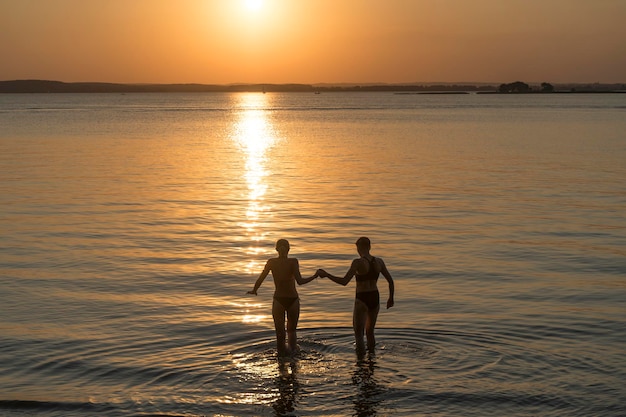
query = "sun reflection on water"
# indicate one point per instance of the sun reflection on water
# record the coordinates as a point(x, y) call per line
point(249, 311)
point(255, 135)
point(274, 382)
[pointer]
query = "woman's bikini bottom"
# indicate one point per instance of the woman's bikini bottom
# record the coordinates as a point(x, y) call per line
point(370, 298)
point(286, 302)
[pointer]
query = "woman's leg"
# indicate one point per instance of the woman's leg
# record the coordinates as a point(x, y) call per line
point(359, 318)
point(370, 323)
point(293, 314)
point(278, 313)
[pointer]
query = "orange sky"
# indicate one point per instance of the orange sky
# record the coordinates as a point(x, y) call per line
point(313, 41)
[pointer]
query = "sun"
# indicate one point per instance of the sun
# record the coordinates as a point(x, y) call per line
point(253, 5)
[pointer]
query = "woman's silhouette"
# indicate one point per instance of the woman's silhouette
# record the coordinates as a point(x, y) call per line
point(367, 301)
point(286, 272)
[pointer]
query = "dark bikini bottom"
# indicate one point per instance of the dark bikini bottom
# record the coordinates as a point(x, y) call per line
point(370, 298)
point(286, 302)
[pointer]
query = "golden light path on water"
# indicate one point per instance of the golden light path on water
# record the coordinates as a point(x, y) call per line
point(254, 135)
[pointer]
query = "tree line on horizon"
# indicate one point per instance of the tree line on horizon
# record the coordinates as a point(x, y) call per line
point(519, 87)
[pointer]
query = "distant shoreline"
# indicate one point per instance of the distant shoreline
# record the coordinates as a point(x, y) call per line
point(46, 86)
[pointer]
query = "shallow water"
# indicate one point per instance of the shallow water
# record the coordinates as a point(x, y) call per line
point(133, 225)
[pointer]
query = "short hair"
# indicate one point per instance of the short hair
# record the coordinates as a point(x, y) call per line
point(364, 243)
point(282, 243)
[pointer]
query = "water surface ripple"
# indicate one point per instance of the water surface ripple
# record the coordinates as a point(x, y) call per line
point(133, 225)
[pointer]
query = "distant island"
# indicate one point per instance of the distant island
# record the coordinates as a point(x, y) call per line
point(517, 87)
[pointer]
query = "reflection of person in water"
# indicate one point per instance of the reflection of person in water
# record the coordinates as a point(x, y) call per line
point(367, 302)
point(288, 386)
point(370, 393)
point(286, 272)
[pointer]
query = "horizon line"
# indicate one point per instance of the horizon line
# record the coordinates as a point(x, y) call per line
point(51, 86)
point(343, 83)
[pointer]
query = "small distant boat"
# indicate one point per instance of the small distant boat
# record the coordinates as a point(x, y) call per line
point(317, 92)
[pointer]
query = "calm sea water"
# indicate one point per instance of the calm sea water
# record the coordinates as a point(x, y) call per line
point(133, 225)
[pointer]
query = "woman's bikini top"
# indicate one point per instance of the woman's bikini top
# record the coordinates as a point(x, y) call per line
point(372, 273)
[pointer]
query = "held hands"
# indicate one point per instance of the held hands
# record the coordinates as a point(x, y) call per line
point(253, 292)
point(321, 273)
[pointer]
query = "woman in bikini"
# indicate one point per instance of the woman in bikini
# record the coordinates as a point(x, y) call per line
point(367, 302)
point(286, 272)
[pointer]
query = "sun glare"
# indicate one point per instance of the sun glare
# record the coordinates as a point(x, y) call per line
point(253, 5)
point(255, 135)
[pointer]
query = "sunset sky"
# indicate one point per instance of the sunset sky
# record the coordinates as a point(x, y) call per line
point(313, 41)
